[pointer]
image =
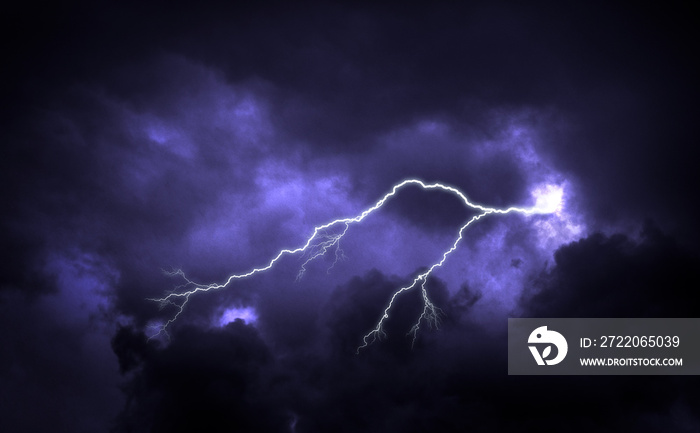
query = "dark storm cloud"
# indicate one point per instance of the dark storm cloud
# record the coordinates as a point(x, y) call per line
point(342, 75)
point(326, 388)
point(142, 136)
point(214, 380)
point(601, 276)
point(56, 370)
point(454, 379)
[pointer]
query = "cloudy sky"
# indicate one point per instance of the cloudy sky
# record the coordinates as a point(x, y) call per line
point(143, 138)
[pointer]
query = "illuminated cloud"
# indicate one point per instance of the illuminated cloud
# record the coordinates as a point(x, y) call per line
point(246, 314)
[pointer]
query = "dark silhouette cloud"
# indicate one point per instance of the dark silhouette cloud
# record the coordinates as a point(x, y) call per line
point(453, 378)
point(616, 276)
point(216, 380)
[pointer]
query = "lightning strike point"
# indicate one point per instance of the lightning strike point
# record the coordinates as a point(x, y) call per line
point(549, 198)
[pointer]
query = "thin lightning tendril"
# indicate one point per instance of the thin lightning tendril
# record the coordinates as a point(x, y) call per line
point(323, 240)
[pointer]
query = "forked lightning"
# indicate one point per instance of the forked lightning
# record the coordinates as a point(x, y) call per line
point(327, 238)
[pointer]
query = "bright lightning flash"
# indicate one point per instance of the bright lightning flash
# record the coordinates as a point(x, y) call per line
point(326, 237)
point(549, 198)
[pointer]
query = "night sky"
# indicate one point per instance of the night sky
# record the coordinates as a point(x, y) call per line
point(142, 138)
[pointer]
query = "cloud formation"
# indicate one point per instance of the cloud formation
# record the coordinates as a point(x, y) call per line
point(151, 137)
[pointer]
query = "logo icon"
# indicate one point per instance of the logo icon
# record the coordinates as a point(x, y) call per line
point(541, 337)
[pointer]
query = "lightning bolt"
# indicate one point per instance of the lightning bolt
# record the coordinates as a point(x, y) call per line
point(327, 238)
